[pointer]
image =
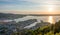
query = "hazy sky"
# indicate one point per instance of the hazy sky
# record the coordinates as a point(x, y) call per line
point(29, 5)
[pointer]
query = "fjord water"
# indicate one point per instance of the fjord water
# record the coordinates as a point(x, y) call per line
point(51, 19)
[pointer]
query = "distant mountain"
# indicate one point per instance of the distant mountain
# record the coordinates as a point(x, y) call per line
point(10, 16)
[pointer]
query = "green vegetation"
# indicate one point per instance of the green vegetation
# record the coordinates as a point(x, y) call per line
point(46, 30)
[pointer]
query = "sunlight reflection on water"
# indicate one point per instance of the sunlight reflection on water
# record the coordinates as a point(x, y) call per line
point(51, 19)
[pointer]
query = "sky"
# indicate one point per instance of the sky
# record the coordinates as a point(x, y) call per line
point(29, 5)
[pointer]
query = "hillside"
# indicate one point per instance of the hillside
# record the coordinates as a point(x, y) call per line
point(10, 16)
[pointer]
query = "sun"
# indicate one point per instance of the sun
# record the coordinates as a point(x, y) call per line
point(50, 8)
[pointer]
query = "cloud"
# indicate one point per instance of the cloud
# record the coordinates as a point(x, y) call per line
point(7, 0)
point(36, 1)
point(4, 0)
point(29, 4)
point(41, 1)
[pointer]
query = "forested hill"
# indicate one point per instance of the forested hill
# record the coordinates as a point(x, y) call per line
point(10, 16)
